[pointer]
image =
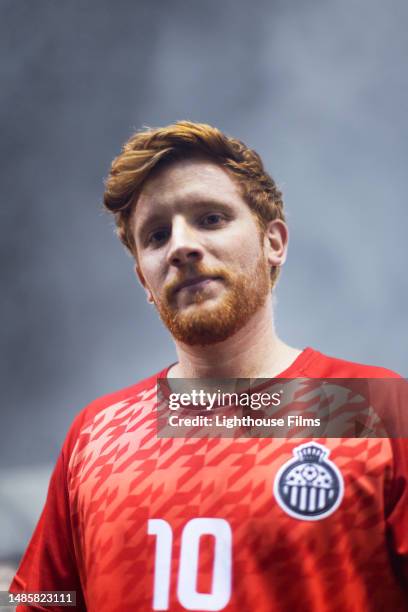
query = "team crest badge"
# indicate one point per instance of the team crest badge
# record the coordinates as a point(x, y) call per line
point(309, 487)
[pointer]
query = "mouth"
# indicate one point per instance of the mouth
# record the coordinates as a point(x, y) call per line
point(195, 283)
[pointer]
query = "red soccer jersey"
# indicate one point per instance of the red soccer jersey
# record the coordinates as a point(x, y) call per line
point(134, 522)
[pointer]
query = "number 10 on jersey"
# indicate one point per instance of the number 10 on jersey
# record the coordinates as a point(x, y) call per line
point(187, 593)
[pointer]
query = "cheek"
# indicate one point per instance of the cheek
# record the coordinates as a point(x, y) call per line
point(151, 273)
point(238, 238)
point(244, 253)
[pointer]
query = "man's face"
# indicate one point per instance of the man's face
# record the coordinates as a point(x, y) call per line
point(200, 253)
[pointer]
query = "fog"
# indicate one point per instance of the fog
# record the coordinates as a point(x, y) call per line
point(319, 89)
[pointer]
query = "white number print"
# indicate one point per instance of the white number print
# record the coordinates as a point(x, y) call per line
point(164, 542)
point(187, 592)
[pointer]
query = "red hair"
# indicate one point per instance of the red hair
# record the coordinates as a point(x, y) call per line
point(150, 147)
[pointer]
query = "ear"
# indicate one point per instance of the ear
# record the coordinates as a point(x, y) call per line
point(276, 242)
point(142, 281)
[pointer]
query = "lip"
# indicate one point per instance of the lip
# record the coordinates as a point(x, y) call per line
point(197, 280)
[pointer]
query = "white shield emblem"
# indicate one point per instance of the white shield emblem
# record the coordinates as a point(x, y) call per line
point(309, 487)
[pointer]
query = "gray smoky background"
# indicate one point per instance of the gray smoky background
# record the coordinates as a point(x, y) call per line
point(319, 89)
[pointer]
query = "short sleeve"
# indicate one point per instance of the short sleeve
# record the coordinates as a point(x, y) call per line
point(49, 563)
point(397, 518)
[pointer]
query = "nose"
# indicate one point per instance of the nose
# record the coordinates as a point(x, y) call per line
point(184, 247)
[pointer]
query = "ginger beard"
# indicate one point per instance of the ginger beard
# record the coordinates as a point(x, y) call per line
point(207, 321)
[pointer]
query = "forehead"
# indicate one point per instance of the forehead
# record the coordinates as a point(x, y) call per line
point(183, 182)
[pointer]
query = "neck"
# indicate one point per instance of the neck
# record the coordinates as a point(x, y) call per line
point(253, 352)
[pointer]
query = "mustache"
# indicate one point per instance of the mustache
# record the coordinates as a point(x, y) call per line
point(198, 270)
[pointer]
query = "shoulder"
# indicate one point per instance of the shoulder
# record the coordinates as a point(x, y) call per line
point(325, 366)
point(110, 408)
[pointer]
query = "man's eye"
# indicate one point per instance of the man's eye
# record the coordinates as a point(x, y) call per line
point(158, 236)
point(212, 219)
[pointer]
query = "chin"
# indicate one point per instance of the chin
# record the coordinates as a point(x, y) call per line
point(199, 300)
point(208, 304)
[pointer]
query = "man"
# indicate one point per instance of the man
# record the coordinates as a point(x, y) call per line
point(134, 521)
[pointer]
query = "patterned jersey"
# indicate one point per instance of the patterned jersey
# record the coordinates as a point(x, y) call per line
point(135, 522)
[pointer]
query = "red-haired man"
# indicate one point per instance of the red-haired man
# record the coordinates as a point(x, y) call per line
point(134, 521)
